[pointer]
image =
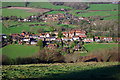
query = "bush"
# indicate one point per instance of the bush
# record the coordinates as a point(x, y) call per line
point(106, 55)
point(71, 58)
point(49, 55)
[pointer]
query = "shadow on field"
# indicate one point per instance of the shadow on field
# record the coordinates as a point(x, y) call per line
point(104, 73)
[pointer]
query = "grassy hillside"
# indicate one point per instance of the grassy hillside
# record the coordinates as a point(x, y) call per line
point(98, 13)
point(16, 12)
point(58, 71)
point(16, 27)
point(92, 46)
point(14, 51)
point(6, 4)
point(46, 5)
point(103, 7)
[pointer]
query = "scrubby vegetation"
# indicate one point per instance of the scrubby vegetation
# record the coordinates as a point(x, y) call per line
point(57, 71)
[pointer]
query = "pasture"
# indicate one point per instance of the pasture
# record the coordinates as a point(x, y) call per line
point(94, 46)
point(103, 7)
point(16, 12)
point(58, 71)
point(15, 27)
point(46, 5)
point(98, 13)
point(14, 51)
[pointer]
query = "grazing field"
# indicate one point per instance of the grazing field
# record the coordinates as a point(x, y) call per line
point(103, 7)
point(58, 71)
point(14, 51)
point(16, 12)
point(15, 27)
point(93, 46)
point(56, 12)
point(46, 5)
point(6, 4)
point(98, 13)
point(22, 11)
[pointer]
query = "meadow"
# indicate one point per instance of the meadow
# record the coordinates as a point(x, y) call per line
point(15, 27)
point(97, 13)
point(16, 12)
point(14, 51)
point(94, 46)
point(103, 7)
point(6, 4)
point(46, 5)
point(58, 71)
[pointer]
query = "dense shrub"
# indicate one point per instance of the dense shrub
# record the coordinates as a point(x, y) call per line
point(52, 55)
point(72, 58)
point(49, 55)
point(105, 55)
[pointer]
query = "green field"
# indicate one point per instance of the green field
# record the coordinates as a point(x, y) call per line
point(56, 12)
point(14, 51)
point(6, 4)
point(93, 46)
point(16, 12)
point(66, 71)
point(98, 13)
point(16, 27)
point(34, 4)
point(103, 7)
point(46, 5)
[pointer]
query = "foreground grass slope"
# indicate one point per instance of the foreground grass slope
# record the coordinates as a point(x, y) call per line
point(14, 51)
point(72, 71)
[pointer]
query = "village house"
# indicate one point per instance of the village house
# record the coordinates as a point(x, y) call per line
point(52, 46)
point(24, 33)
point(76, 38)
point(33, 42)
point(117, 39)
point(71, 34)
point(67, 39)
point(50, 39)
point(58, 40)
point(82, 36)
point(41, 35)
point(107, 39)
point(88, 40)
point(41, 38)
point(65, 34)
point(47, 35)
point(66, 22)
point(20, 42)
point(15, 37)
point(97, 39)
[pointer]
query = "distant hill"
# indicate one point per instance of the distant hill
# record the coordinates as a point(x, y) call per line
point(33, 4)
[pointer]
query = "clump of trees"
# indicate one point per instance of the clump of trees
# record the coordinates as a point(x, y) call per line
point(74, 5)
point(105, 55)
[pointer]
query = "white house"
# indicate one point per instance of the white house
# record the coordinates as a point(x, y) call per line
point(76, 38)
point(88, 40)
